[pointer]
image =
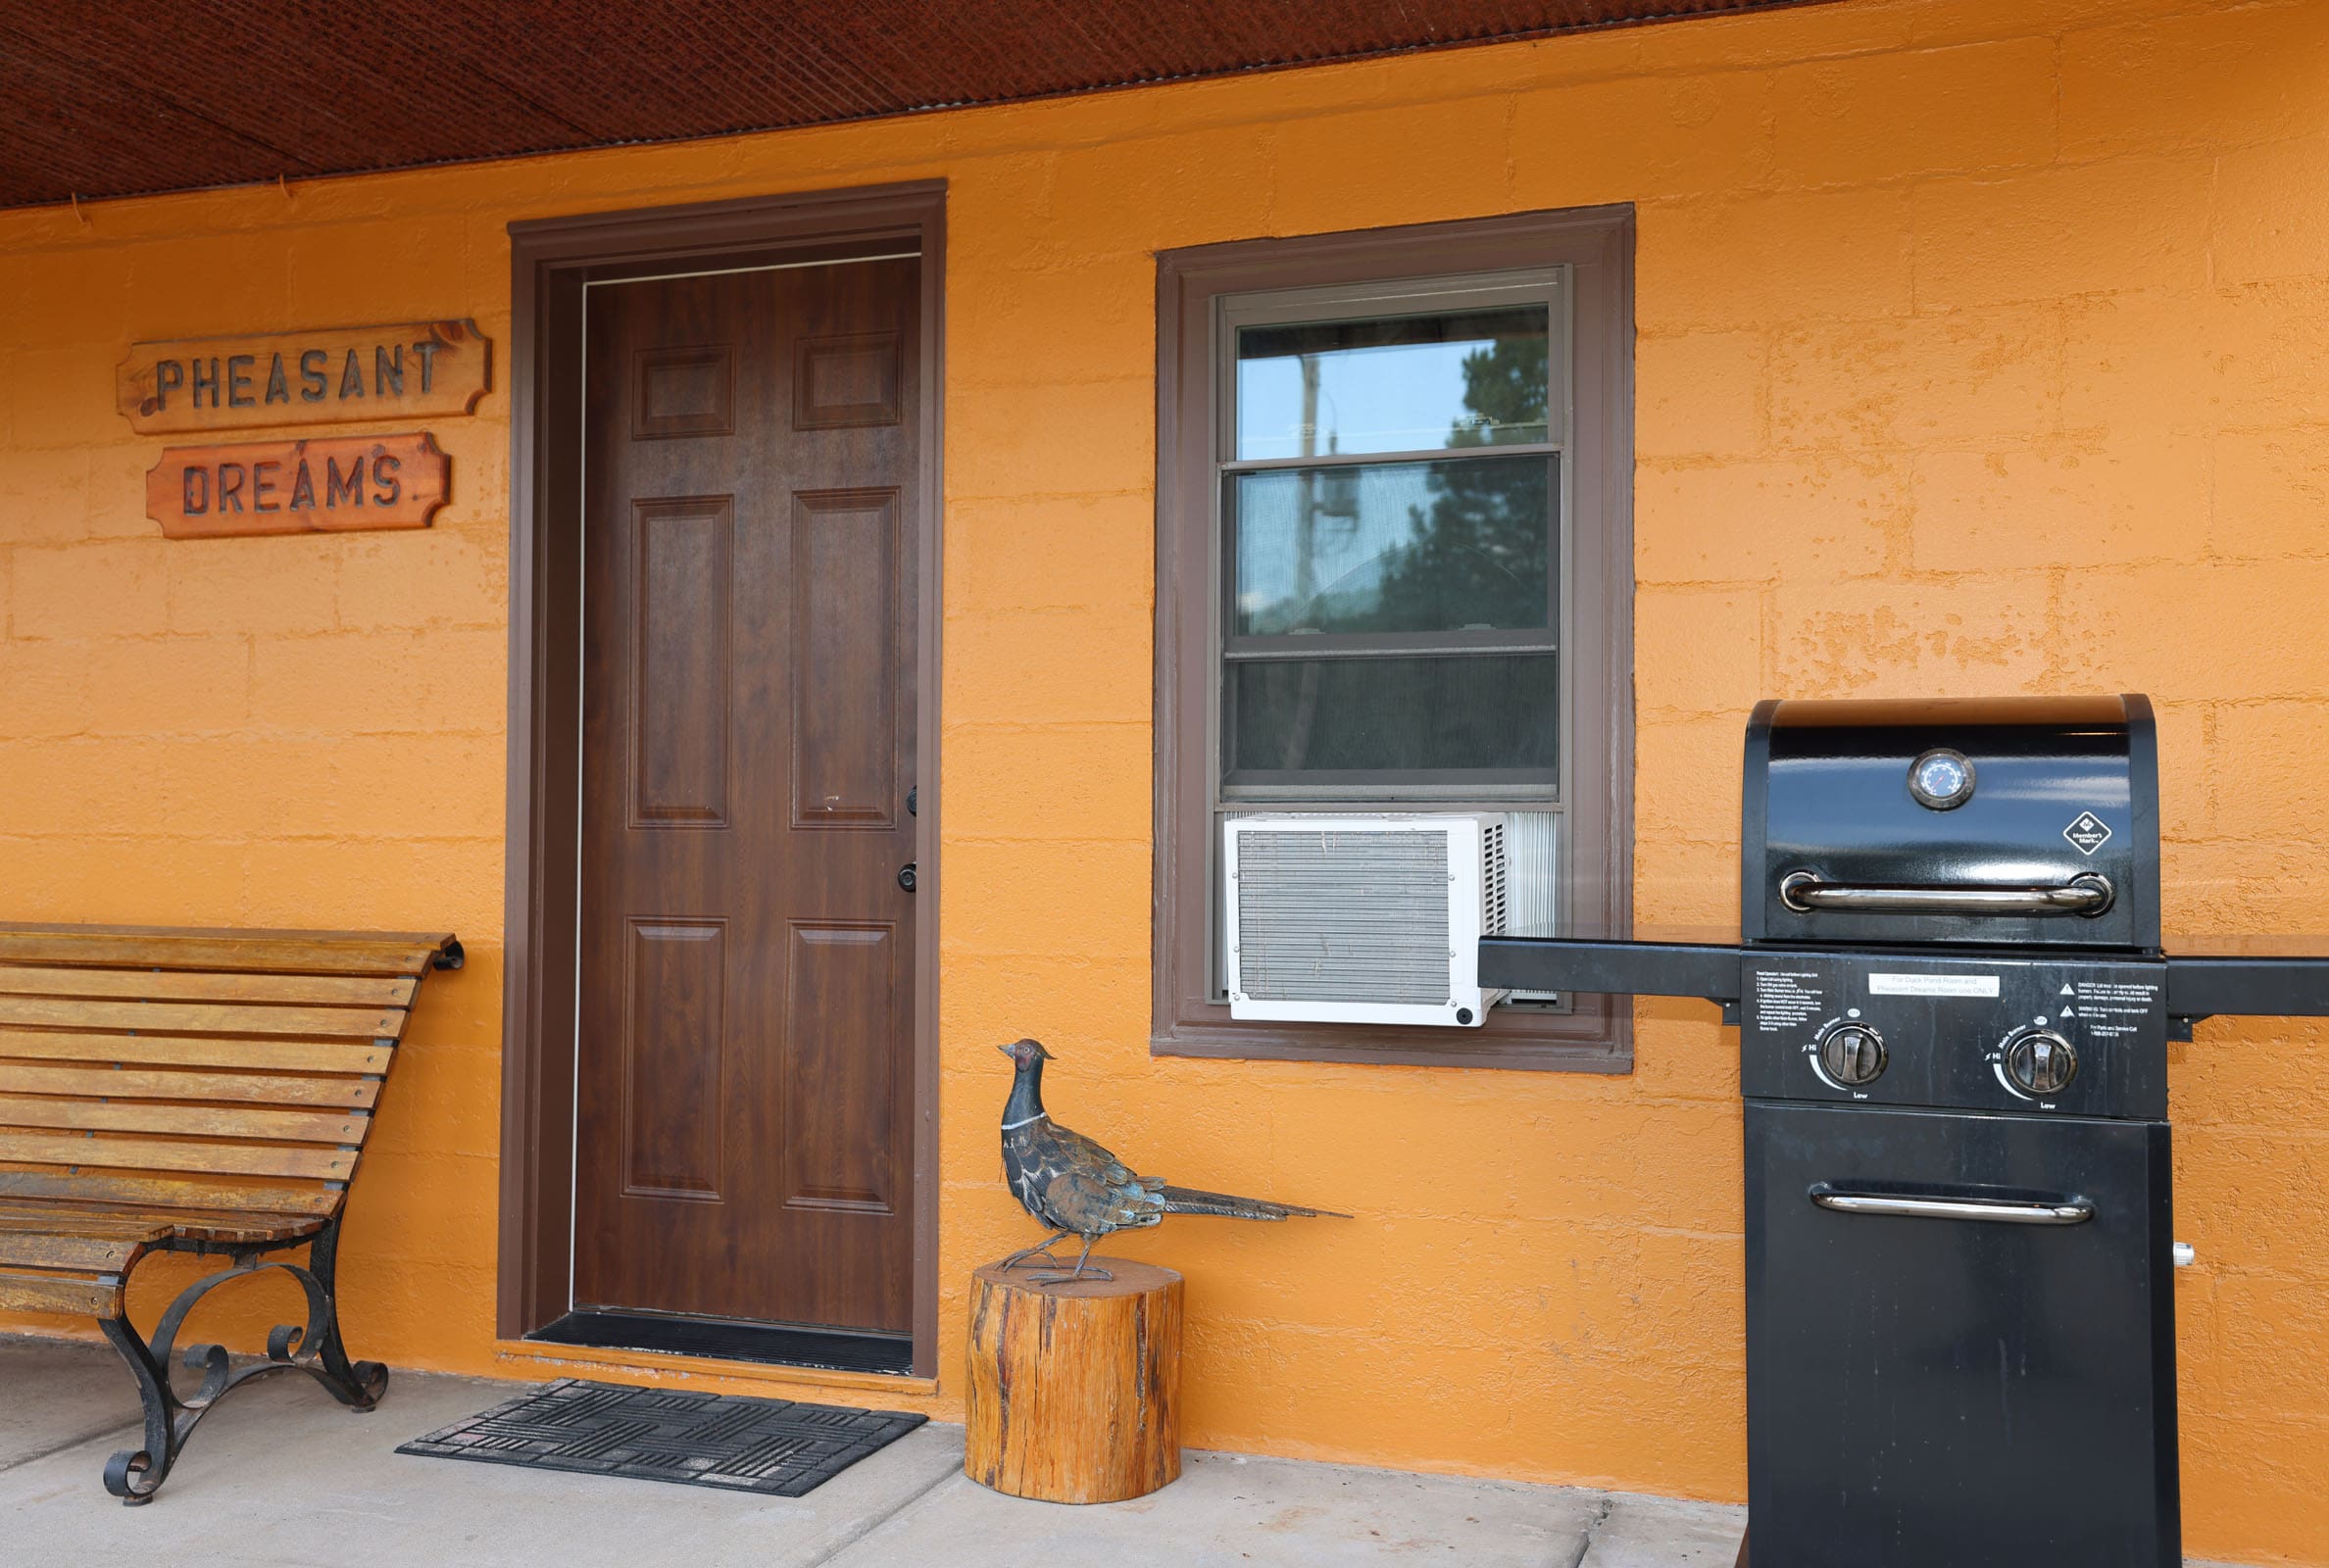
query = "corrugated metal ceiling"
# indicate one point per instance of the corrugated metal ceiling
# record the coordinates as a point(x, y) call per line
point(119, 97)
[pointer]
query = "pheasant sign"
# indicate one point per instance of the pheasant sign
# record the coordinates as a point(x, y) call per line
point(328, 375)
point(326, 486)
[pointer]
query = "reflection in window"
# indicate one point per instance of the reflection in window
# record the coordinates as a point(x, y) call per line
point(1407, 547)
point(1408, 383)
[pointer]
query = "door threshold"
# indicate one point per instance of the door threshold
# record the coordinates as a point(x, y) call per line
point(719, 1339)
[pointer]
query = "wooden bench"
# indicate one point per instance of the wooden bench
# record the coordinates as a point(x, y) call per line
point(194, 1092)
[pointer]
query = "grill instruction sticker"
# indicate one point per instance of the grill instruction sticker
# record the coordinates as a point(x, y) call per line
point(1932, 985)
point(2087, 833)
point(1787, 999)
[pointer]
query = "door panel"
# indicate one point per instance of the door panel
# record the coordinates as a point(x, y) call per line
point(844, 576)
point(679, 717)
point(840, 1088)
point(746, 999)
point(1958, 1393)
point(674, 1044)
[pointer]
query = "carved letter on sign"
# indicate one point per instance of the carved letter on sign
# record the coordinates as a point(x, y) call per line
point(328, 486)
point(410, 370)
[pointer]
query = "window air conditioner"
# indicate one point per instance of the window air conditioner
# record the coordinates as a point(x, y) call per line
point(1338, 918)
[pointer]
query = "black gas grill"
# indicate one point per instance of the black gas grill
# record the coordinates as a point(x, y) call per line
point(1954, 1012)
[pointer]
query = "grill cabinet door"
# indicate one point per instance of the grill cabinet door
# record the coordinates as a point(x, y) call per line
point(1951, 1392)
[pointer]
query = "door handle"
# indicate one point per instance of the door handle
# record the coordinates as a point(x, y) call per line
point(2002, 1211)
point(905, 875)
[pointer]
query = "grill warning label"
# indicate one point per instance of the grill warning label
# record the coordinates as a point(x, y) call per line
point(1788, 999)
point(2105, 1007)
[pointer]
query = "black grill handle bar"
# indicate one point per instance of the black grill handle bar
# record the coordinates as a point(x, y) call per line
point(2084, 893)
point(1997, 1211)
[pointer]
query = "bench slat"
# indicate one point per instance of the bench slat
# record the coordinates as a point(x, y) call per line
point(391, 991)
point(257, 1089)
point(91, 1254)
point(168, 1193)
point(56, 1293)
point(308, 952)
point(248, 1228)
point(152, 1225)
point(205, 1121)
point(289, 1055)
point(159, 1154)
point(73, 1219)
point(379, 1023)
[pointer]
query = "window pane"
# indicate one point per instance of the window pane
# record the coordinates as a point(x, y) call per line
point(1435, 715)
point(1409, 383)
point(1387, 546)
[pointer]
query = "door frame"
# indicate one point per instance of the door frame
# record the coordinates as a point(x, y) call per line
point(550, 260)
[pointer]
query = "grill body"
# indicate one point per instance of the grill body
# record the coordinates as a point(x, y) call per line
point(1961, 1326)
point(1954, 1010)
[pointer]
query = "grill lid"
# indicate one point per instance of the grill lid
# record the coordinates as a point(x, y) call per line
point(1988, 820)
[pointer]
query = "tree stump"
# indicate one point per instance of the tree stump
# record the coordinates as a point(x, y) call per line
point(1075, 1387)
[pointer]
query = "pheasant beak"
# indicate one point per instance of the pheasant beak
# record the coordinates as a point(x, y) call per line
point(1011, 1051)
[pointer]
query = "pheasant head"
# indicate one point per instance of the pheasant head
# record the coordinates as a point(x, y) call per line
point(1025, 1054)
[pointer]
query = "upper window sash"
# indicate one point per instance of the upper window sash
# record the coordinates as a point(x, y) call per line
point(1551, 287)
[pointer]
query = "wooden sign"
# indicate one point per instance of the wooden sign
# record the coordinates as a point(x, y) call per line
point(323, 486)
point(410, 370)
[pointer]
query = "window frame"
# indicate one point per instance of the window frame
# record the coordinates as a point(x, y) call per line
point(1593, 247)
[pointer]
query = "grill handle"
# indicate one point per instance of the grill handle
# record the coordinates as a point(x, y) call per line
point(2084, 893)
point(2002, 1211)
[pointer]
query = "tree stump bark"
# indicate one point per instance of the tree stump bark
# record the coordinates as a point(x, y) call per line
point(1075, 1387)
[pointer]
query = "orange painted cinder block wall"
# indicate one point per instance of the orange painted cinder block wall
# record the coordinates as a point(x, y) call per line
point(1984, 347)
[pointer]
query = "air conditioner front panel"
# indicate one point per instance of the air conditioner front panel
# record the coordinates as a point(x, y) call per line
point(1355, 919)
point(1342, 916)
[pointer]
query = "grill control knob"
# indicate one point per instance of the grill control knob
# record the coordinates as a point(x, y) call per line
point(1852, 1053)
point(2040, 1061)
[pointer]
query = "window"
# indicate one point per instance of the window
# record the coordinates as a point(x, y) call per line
point(1394, 572)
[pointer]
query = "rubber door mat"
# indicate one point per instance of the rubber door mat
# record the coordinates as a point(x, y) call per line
point(774, 1446)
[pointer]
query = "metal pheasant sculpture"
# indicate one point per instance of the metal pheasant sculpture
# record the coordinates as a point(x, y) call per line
point(1079, 1189)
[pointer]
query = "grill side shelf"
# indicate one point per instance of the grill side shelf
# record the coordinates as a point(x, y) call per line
point(1610, 967)
point(2255, 985)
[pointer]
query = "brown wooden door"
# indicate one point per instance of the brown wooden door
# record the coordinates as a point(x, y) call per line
point(745, 1109)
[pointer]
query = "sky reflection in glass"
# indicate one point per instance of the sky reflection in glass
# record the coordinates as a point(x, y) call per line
point(1390, 384)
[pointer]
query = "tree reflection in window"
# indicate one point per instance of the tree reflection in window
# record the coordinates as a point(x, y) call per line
point(1401, 553)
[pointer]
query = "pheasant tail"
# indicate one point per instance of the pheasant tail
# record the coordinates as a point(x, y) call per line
point(1189, 1201)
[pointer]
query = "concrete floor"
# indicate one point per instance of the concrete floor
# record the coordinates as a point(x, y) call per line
point(282, 1476)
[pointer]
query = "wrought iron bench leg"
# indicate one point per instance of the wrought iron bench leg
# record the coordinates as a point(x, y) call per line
point(357, 1385)
point(135, 1475)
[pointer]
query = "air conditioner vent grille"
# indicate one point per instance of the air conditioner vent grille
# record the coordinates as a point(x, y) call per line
point(1494, 889)
point(1349, 917)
